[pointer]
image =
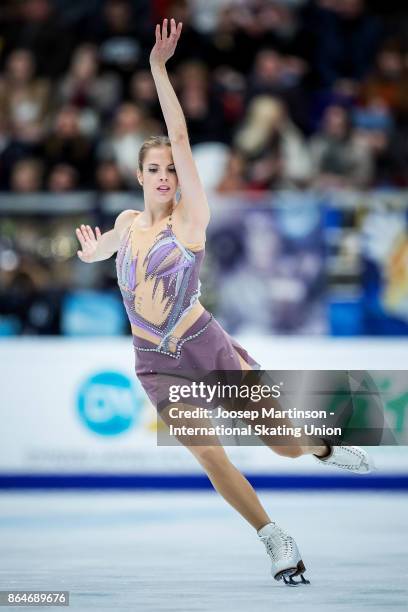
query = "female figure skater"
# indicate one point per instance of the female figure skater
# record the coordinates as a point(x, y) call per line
point(160, 251)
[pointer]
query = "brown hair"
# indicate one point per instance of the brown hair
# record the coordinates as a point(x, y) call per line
point(151, 143)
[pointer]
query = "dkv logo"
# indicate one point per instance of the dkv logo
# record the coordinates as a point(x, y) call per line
point(108, 404)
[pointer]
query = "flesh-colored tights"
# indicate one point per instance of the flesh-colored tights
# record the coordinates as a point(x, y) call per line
point(233, 486)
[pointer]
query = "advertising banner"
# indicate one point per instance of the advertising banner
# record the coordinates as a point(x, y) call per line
point(78, 408)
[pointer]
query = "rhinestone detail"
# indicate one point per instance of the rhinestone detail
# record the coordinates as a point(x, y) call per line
point(125, 260)
point(177, 354)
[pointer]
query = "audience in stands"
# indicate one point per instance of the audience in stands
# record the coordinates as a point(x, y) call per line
point(309, 92)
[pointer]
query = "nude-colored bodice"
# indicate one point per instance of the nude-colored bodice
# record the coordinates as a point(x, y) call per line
point(158, 276)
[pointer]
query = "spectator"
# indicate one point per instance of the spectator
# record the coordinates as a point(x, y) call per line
point(228, 43)
point(62, 179)
point(119, 39)
point(204, 13)
point(85, 88)
point(346, 40)
point(37, 27)
point(142, 92)
point(201, 109)
point(24, 99)
point(339, 158)
point(128, 133)
point(192, 45)
point(27, 176)
point(245, 27)
point(375, 130)
point(388, 82)
point(274, 147)
point(233, 179)
point(214, 101)
point(275, 75)
point(108, 177)
point(229, 90)
point(68, 145)
point(31, 294)
point(278, 25)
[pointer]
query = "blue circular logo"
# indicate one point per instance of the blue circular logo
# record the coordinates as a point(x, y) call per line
point(108, 403)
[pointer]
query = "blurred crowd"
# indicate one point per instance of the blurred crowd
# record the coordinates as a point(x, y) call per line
point(294, 92)
point(303, 95)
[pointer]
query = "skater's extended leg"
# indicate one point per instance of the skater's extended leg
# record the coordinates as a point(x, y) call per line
point(351, 458)
point(284, 445)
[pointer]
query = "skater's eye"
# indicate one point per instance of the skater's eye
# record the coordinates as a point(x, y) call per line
point(152, 169)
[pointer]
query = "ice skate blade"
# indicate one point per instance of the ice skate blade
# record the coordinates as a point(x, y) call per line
point(289, 573)
point(290, 582)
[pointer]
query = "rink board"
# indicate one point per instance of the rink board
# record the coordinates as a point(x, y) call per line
point(74, 415)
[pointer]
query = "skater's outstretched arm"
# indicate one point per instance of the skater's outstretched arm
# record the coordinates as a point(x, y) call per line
point(96, 246)
point(193, 204)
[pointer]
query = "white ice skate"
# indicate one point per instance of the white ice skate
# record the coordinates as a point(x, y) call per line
point(351, 458)
point(284, 554)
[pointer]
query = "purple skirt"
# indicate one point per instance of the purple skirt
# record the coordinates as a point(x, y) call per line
point(205, 348)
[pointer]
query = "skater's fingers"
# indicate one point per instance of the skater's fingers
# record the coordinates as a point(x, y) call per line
point(88, 233)
point(80, 236)
point(98, 233)
point(164, 29)
point(84, 233)
point(91, 235)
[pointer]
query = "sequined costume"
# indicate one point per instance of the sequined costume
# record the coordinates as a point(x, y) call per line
point(159, 282)
point(173, 335)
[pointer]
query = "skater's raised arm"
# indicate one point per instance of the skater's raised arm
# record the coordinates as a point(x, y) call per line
point(97, 246)
point(193, 205)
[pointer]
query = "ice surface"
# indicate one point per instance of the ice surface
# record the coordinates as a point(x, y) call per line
point(192, 552)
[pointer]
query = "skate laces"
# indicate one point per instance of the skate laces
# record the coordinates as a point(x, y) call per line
point(278, 545)
point(347, 457)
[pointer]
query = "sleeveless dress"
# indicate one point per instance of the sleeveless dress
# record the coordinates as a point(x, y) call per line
point(176, 340)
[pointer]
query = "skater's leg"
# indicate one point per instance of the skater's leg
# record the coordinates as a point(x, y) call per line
point(295, 447)
point(298, 450)
point(239, 493)
point(286, 446)
point(351, 458)
point(354, 459)
point(231, 484)
point(210, 453)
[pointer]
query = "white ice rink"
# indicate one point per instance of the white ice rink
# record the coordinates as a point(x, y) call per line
point(191, 552)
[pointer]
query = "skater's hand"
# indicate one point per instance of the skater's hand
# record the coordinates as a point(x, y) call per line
point(89, 242)
point(165, 44)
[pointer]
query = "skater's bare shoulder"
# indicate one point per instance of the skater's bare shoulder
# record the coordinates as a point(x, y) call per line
point(124, 220)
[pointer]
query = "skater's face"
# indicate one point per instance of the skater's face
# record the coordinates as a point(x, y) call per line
point(158, 176)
